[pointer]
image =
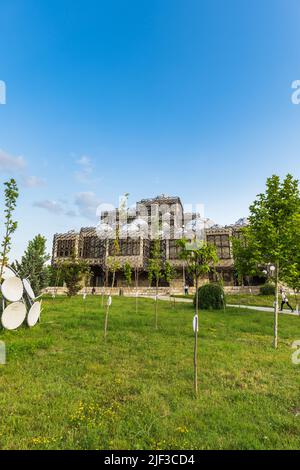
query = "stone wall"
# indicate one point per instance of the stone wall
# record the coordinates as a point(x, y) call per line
point(145, 291)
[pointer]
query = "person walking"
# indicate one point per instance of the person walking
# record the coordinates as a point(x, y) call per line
point(285, 300)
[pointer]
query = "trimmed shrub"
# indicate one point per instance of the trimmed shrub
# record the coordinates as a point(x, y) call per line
point(211, 297)
point(267, 289)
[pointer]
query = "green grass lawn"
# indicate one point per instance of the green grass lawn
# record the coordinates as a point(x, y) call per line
point(251, 299)
point(64, 388)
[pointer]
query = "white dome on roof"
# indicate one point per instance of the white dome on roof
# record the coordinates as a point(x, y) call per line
point(105, 231)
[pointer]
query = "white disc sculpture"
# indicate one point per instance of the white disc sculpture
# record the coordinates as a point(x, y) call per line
point(18, 298)
point(13, 315)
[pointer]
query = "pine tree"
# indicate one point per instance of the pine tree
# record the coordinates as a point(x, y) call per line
point(33, 264)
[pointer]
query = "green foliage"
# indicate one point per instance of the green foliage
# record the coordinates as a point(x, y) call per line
point(11, 194)
point(201, 257)
point(112, 262)
point(245, 255)
point(273, 224)
point(33, 264)
point(156, 263)
point(169, 272)
point(291, 273)
point(74, 272)
point(211, 297)
point(55, 276)
point(267, 289)
point(128, 273)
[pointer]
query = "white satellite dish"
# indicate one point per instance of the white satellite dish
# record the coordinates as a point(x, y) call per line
point(12, 289)
point(13, 316)
point(28, 289)
point(7, 273)
point(34, 314)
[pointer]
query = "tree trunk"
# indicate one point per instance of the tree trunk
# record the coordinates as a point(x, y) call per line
point(106, 321)
point(136, 291)
point(275, 343)
point(156, 294)
point(196, 343)
point(107, 306)
point(102, 300)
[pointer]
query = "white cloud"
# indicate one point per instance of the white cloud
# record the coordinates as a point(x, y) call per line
point(10, 162)
point(33, 182)
point(87, 203)
point(50, 206)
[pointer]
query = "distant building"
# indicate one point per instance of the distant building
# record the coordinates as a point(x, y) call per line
point(135, 238)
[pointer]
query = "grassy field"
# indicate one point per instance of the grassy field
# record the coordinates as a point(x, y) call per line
point(63, 387)
point(250, 299)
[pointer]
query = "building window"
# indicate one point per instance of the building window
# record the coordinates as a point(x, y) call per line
point(174, 250)
point(65, 248)
point(222, 244)
point(93, 247)
point(126, 248)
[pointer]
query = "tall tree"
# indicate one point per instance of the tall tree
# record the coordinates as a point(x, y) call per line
point(127, 268)
point(155, 270)
point(11, 195)
point(291, 272)
point(272, 226)
point(200, 258)
point(33, 264)
point(169, 275)
point(113, 265)
point(245, 256)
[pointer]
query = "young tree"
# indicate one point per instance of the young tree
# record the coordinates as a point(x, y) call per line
point(33, 264)
point(128, 273)
point(113, 262)
point(272, 226)
point(136, 283)
point(169, 275)
point(11, 194)
point(155, 271)
point(113, 265)
point(74, 272)
point(245, 256)
point(200, 258)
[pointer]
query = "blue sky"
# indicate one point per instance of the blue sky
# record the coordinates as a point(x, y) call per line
point(183, 97)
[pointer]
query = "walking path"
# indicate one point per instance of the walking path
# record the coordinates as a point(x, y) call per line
point(250, 307)
point(264, 309)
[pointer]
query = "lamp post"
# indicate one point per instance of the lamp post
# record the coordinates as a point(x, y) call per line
point(270, 272)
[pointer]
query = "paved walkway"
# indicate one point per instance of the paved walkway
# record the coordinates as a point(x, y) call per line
point(250, 307)
point(264, 309)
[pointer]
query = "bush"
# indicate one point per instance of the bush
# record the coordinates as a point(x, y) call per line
point(267, 289)
point(211, 297)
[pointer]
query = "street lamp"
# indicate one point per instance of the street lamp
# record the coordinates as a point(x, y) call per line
point(269, 271)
